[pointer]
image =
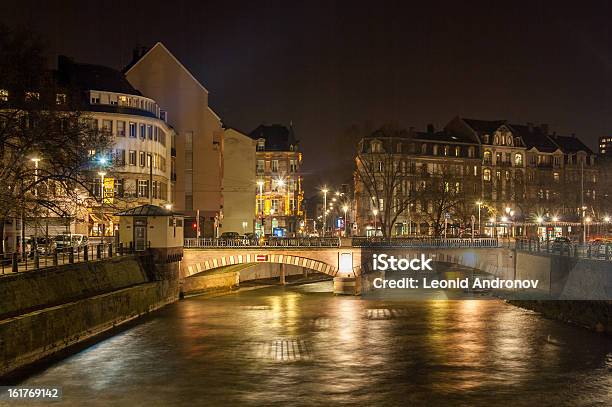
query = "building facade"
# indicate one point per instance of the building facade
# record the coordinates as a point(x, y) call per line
point(279, 194)
point(199, 135)
point(239, 182)
point(511, 175)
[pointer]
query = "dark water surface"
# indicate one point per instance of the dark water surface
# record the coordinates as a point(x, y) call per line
point(303, 346)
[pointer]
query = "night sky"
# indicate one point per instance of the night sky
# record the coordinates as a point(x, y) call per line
point(326, 66)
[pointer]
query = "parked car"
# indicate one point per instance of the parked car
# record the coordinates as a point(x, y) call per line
point(76, 240)
point(561, 243)
point(230, 235)
point(44, 245)
point(601, 247)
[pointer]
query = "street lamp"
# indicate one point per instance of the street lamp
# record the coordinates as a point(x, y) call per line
point(35, 242)
point(494, 229)
point(479, 203)
point(324, 190)
point(102, 174)
point(607, 219)
point(375, 212)
point(588, 221)
point(345, 209)
point(260, 183)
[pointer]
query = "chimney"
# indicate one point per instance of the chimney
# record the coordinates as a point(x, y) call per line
point(544, 128)
point(430, 128)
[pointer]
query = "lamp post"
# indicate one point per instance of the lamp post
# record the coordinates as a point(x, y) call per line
point(479, 203)
point(587, 221)
point(35, 242)
point(102, 174)
point(540, 219)
point(375, 213)
point(324, 190)
point(345, 209)
point(260, 183)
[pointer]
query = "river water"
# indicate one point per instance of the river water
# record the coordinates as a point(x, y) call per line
point(303, 346)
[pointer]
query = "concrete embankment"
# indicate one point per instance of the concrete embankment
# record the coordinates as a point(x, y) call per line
point(593, 315)
point(46, 311)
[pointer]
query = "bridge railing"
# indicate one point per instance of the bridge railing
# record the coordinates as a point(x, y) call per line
point(256, 243)
point(425, 242)
point(593, 250)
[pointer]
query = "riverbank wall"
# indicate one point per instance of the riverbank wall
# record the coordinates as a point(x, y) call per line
point(46, 311)
point(593, 315)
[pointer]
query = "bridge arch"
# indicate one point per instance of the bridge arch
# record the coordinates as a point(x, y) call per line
point(196, 267)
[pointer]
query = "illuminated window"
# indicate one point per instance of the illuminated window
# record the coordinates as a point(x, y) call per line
point(274, 167)
point(435, 149)
point(457, 151)
point(486, 174)
point(94, 98)
point(4, 95)
point(518, 159)
point(60, 99)
point(487, 157)
point(260, 166)
point(556, 177)
point(261, 144)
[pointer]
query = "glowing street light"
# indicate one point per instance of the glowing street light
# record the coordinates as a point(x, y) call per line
point(555, 219)
point(324, 190)
point(102, 174)
point(607, 219)
point(260, 183)
point(479, 203)
point(345, 209)
point(375, 212)
point(539, 219)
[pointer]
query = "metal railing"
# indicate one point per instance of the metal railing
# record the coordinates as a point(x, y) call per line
point(598, 251)
point(257, 243)
point(22, 262)
point(425, 242)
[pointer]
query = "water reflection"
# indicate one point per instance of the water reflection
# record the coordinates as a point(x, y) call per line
point(304, 346)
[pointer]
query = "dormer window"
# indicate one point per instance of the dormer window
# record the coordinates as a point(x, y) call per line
point(32, 96)
point(509, 140)
point(486, 139)
point(261, 144)
point(4, 94)
point(60, 99)
point(376, 146)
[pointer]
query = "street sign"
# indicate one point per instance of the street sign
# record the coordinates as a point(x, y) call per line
point(261, 257)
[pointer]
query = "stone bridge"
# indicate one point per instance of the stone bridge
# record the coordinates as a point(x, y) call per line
point(347, 261)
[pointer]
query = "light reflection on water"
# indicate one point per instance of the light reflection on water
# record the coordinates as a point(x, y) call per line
point(225, 351)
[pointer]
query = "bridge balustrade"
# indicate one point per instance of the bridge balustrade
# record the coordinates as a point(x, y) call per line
point(426, 242)
point(593, 250)
point(256, 243)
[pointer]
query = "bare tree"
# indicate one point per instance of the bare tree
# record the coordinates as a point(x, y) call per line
point(39, 121)
point(443, 194)
point(379, 176)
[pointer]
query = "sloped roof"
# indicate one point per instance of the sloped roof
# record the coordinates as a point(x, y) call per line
point(92, 77)
point(146, 210)
point(445, 136)
point(534, 136)
point(144, 52)
point(570, 144)
point(484, 126)
point(277, 136)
